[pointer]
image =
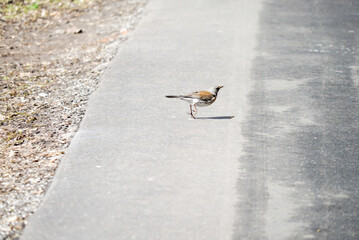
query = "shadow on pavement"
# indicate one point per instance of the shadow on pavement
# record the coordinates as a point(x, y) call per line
point(218, 117)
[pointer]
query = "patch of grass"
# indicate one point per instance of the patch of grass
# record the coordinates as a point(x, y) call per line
point(33, 6)
point(19, 10)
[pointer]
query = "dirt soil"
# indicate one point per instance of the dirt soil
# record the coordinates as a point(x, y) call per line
point(49, 66)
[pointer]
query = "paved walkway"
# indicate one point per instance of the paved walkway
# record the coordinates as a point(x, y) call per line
point(286, 167)
point(139, 168)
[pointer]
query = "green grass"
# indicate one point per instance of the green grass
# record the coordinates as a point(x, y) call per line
point(33, 6)
point(20, 10)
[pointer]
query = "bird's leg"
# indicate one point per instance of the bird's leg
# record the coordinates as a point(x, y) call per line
point(190, 108)
point(195, 109)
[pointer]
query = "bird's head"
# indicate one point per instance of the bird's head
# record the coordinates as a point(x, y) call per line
point(214, 90)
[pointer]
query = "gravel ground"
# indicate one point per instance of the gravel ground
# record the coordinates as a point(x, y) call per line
point(49, 67)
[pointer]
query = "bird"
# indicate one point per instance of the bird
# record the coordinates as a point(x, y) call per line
point(199, 98)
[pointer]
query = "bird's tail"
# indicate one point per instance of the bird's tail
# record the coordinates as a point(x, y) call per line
point(172, 96)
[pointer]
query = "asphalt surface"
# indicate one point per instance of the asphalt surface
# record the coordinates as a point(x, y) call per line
point(285, 167)
point(301, 158)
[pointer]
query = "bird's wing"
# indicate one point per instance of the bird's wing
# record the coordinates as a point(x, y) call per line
point(203, 95)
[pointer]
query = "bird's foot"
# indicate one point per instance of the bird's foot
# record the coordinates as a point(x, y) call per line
point(192, 115)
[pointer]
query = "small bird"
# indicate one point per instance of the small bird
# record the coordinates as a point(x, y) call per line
point(199, 98)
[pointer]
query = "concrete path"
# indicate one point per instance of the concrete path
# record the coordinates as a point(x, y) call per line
point(287, 165)
point(139, 168)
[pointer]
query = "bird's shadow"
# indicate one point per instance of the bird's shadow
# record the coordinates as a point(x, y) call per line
point(216, 118)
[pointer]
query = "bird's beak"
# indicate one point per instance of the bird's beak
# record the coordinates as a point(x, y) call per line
point(220, 86)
